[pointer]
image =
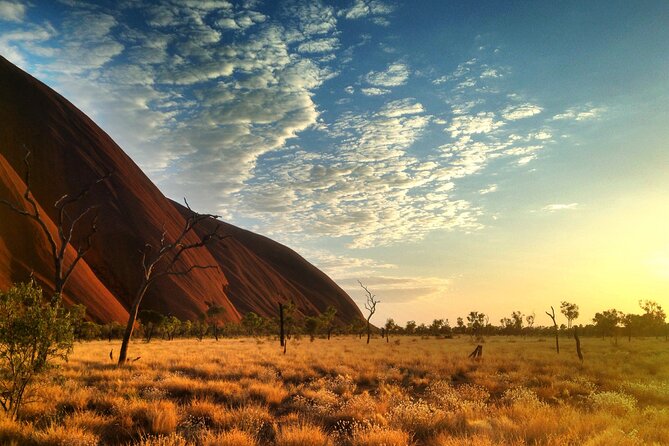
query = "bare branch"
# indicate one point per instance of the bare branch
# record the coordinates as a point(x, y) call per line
point(164, 263)
point(83, 249)
point(58, 247)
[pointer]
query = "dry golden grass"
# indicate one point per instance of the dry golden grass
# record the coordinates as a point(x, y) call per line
point(344, 393)
point(302, 435)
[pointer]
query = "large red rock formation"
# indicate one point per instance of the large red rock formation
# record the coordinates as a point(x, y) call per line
point(68, 151)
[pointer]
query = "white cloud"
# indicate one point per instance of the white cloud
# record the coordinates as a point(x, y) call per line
point(515, 112)
point(396, 74)
point(227, 23)
point(367, 8)
point(401, 107)
point(482, 122)
point(369, 190)
point(319, 45)
point(560, 207)
point(12, 11)
point(488, 190)
point(343, 267)
point(393, 290)
point(490, 73)
point(583, 113)
point(14, 45)
point(199, 116)
point(374, 91)
point(314, 18)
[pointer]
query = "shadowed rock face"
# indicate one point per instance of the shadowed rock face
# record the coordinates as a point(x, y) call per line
point(262, 272)
point(69, 152)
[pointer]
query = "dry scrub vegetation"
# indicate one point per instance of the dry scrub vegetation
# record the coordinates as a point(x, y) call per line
point(410, 391)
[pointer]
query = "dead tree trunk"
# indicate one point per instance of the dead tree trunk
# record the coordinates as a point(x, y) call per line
point(578, 344)
point(557, 340)
point(477, 353)
point(164, 263)
point(282, 338)
point(370, 306)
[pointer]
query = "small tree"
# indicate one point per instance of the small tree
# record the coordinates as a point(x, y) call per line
point(358, 327)
point(436, 327)
point(215, 317)
point(327, 320)
point(370, 306)
point(289, 321)
point(311, 325)
point(607, 322)
point(32, 334)
point(517, 318)
point(252, 323)
point(460, 325)
point(200, 327)
point(152, 321)
point(570, 311)
point(653, 317)
point(171, 326)
point(112, 330)
point(476, 321)
point(390, 327)
point(530, 320)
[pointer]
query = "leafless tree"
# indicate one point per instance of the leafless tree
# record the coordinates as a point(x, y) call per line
point(552, 316)
point(370, 306)
point(282, 333)
point(164, 260)
point(578, 344)
point(66, 226)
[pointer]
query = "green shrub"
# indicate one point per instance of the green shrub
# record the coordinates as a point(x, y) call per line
point(33, 332)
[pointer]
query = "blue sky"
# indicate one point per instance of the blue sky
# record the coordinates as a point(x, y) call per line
point(454, 156)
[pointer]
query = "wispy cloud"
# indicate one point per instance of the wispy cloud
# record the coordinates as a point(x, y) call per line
point(582, 113)
point(488, 190)
point(560, 207)
point(374, 91)
point(515, 112)
point(12, 11)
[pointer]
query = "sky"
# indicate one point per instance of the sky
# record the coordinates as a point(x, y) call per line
point(451, 155)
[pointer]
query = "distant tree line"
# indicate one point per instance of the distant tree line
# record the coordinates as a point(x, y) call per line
point(651, 321)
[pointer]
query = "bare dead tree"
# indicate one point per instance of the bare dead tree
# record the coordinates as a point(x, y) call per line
point(162, 261)
point(282, 338)
point(66, 226)
point(370, 306)
point(477, 353)
point(557, 341)
point(578, 344)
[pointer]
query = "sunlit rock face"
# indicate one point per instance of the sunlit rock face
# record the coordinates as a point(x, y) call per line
point(68, 152)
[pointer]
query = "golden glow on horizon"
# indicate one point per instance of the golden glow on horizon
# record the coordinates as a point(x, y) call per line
point(601, 256)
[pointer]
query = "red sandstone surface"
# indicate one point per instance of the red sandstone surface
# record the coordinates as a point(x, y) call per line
point(68, 151)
